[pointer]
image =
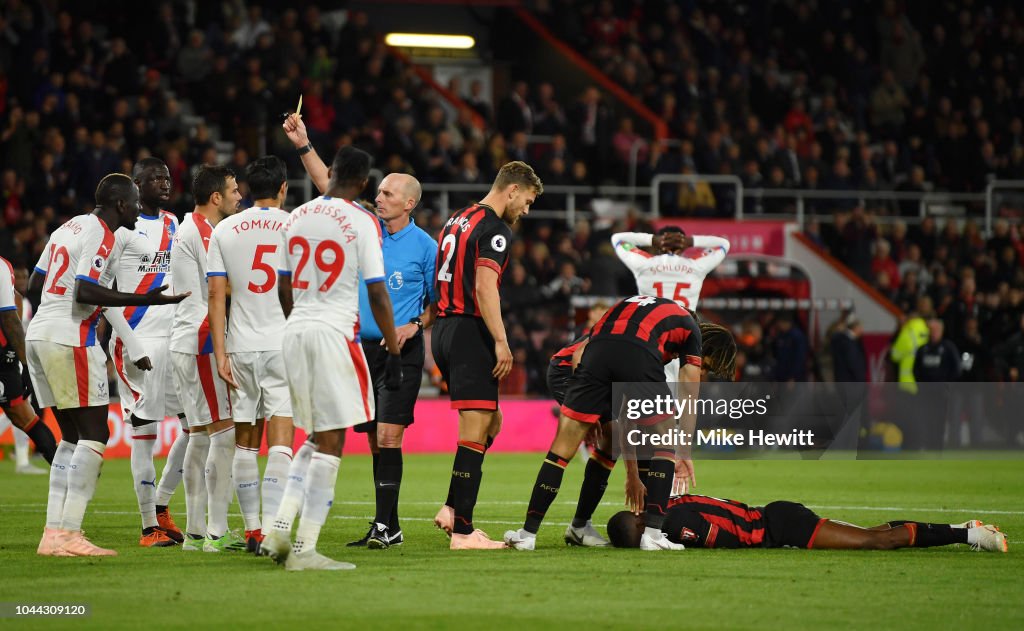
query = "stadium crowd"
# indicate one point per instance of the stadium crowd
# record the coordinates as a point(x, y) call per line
point(906, 97)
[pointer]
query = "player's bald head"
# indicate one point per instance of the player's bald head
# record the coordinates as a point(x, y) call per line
point(624, 530)
point(115, 188)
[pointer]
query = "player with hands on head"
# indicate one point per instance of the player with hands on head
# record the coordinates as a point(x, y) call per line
point(74, 273)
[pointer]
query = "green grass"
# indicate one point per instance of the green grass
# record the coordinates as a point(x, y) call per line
point(424, 585)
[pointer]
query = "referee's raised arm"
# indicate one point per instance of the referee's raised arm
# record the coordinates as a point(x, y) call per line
point(295, 129)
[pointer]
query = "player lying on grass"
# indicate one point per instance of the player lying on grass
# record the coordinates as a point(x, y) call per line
point(700, 521)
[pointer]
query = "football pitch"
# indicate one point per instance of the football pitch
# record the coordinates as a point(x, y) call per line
point(424, 585)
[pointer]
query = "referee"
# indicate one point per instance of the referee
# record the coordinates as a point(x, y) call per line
point(410, 259)
point(409, 263)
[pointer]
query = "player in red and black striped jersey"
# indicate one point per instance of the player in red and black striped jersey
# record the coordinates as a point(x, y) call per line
point(630, 344)
point(469, 343)
point(700, 521)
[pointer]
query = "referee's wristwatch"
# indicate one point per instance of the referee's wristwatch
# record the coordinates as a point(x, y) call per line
point(418, 321)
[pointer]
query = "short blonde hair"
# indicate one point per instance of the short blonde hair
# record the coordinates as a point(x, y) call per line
point(518, 172)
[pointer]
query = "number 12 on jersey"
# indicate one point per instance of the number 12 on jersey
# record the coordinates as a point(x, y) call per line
point(677, 295)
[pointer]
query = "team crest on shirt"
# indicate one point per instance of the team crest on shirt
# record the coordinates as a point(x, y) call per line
point(395, 281)
point(98, 262)
point(499, 243)
point(687, 535)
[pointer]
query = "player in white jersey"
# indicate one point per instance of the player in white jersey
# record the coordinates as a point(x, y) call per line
point(15, 385)
point(677, 272)
point(328, 243)
point(244, 253)
point(203, 394)
point(68, 368)
point(147, 397)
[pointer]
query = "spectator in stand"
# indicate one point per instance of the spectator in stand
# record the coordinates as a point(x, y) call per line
point(790, 349)
point(937, 362)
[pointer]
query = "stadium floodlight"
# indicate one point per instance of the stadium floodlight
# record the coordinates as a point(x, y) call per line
point(429, 40)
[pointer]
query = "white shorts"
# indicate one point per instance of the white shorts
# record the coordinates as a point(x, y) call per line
point(148, 394)
point(262, 386)
point(672, 371)
point(67, 376)
point(328, 378)
point(201, 391)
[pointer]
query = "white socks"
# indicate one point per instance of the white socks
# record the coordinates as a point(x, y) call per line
point(144, 471)
point(58, 483)
point(275, 477)
point(173, 468)
point(84, 471)
point(294, 490)
point(218, 481)
point(245, 470)
point(194, 477)
point(20, 441)
point(323, 473)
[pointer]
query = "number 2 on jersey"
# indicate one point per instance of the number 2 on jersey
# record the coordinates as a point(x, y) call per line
point(448, 245)
point(55, 253)
point(677, 295)
point(330, 267)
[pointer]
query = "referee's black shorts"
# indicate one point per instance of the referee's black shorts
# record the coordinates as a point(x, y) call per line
point(464, 353)
point(394, 406)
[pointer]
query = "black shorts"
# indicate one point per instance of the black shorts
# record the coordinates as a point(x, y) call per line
point(788, 524)
point(558, 381)
point(12, 390)
point(464, 353)
point(394, 406)
point(588, 396)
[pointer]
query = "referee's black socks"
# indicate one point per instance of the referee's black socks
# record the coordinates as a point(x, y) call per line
point(388, 483)
point(465, 486)
point(595, 481)
point(545, 490)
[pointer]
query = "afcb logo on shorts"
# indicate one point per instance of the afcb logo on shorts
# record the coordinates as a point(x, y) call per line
point(498, 243)
point(395, 281)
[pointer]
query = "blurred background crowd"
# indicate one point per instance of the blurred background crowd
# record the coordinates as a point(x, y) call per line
point(882, 95)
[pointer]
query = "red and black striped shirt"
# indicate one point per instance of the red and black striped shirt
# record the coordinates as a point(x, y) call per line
point(658, 324)
point(563, 358)
point(472, 237)
point(708, 522)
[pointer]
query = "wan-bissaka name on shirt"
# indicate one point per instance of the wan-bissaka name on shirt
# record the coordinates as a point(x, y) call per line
point(337, 213)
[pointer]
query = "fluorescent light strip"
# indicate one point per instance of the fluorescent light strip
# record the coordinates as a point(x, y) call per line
point(426, 40)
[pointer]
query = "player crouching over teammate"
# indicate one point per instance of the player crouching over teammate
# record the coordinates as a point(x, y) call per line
point(630, 344)
point(328, 243)
point(706, 522)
